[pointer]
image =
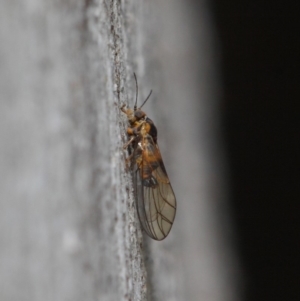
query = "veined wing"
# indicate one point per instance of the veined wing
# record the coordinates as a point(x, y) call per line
point(156, 202)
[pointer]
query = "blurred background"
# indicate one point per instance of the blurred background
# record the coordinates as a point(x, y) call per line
point(259, 44)
point(230, 90)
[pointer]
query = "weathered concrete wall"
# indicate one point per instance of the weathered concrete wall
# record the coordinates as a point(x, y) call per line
point(68, 225)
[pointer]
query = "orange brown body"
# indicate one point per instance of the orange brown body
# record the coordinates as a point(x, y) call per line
point(156, 202)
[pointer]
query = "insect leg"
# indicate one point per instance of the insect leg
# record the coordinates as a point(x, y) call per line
point(134, 132)
point(128, 162)
point(129, 142)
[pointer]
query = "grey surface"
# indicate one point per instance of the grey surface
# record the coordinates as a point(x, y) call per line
point(69, 229)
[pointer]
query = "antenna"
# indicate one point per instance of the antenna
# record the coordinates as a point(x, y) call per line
point(146, 99)
point(136, 94)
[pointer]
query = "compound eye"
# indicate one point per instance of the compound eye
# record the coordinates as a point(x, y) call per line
point(139, 114)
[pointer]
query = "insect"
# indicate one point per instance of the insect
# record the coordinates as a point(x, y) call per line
point(155, 199)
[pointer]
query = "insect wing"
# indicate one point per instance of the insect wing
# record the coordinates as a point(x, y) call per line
point(156, 202)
